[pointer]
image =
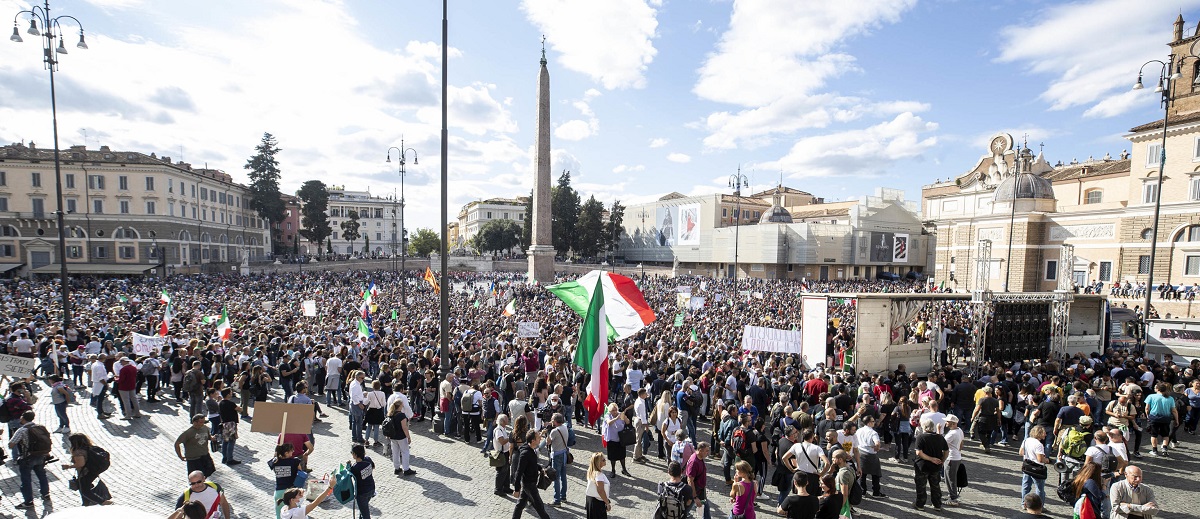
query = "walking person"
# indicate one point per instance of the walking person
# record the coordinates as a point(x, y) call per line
point(1033, 464)
point(697, 476)
point(357, 406)
point(869, 444)
point(151, 367)
point(31, 444)
point(229, 416)
point(598, 504)
point(193, 386)
point(61, 396)
point(528, 470)
point(375, 413)
point(931, 451)
point(614, 421)
point(362, 467)
point(99, 386)
point(194, 442)
point(284, 466)
point(89, 461)
point(1163, 416)
point(400, 438)
point(558, 456)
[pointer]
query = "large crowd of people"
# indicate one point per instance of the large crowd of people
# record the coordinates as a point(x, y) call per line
point(798, 440)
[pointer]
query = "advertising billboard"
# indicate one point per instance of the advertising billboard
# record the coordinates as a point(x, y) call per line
point(664, 220)
point(689, 225)
point(887, 247)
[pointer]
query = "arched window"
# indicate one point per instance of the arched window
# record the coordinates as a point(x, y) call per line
point(1093, 196)
point(9, 231)
point(185, 236)
point(1188, 234)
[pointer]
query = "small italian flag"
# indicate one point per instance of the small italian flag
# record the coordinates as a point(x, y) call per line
point(164, 297)
point(511, 308)
point(364, 329)
point(165, 325)
point(223, 328)
point(209, 319)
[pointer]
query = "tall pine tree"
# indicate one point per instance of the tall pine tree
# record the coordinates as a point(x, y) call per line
point(314, 222)
point(564, 206)
point(265, 198)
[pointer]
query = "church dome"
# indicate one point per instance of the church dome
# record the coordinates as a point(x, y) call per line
point(776, 214)
point(1023, 186)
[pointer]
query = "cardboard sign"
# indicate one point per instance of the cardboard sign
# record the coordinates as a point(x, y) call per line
point(16, 367)
point(769, 339)
point(279, 418)
point(310, 308)
point(529, 329)
point(144, 344)
point(268, 305)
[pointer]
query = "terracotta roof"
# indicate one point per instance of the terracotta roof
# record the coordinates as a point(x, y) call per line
point(1193, 117)
point(1087, 169)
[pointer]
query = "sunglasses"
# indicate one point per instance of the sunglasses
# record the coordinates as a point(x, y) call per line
point(201, 482)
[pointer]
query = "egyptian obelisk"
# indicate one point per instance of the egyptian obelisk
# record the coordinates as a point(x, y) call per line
point(541, 248)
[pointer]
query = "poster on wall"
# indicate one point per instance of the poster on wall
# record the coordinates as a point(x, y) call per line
point(665, 236)
point(900, 249)
point(689, 225)
point(882, 247)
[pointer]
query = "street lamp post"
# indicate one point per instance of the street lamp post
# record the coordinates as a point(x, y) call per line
point(1166, 79)
point(160, 253)
point(400, 154)
point(52, 29)
point(737, 181)
point(444, 303)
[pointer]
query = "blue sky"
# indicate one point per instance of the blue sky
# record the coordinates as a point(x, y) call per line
point(649, 96)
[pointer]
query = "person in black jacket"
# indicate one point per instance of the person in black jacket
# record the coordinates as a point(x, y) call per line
point(527, 469)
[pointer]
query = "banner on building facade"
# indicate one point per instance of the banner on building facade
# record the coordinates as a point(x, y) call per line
point(689, 225)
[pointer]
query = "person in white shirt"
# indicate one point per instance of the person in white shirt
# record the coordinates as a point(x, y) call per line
point(868, 448)
point(358, 407)
point(641, 421)
point(1034, 450)
point(938, 418)
point(954, 438)
point(807, 458)
point(333, 381)
point(634, 376)
point(99, 385)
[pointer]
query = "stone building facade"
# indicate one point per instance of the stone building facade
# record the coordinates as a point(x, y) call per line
point(118, 207)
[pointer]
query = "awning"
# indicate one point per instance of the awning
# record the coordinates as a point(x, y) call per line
point(95, 268)
point(5, 267)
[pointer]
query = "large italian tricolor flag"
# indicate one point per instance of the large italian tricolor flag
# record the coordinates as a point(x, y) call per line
point(612, 308)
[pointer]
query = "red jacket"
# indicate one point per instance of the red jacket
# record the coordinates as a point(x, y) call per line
point(127, 377)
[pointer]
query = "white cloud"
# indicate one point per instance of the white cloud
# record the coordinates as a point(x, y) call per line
point(609, 41)
point(368, 96)
point(774, 60)
point(622, 168)
point(1084, 70)
point(863, 152)
point(659, 142)
point(579, 129)
point(679, 157)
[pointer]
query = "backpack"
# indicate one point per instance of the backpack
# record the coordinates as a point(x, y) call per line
point(670, 501)
point(1108, 462)
point(190, 382)
point(856, 494)
point(343, 488)
point(97, 460)
point(467, 403)
point(489, 407)
point(1066, 490)
point(682, 451)
point(1073, 444)
point(392, 429)
point(38, 441)
point(6, 414)
point(149, 369)
point(725, 432)
point(739, 442)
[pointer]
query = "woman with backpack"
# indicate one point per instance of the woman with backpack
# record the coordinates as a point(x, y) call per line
point(89, 461)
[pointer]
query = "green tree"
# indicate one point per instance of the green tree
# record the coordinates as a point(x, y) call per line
point(589, 230)
point(328, 246)
point(350, 228)
point(615, 226)
point(527, 223)
point(366, 244)
point(497, 236)
point(424, 242)
point(564, 206)
point(314, 222)
point(264, 192)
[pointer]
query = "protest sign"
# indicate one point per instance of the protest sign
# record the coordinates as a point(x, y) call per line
point(759, 338)
point(16, 367)
point(144, 344)
point(310, 308)
point(528, 329)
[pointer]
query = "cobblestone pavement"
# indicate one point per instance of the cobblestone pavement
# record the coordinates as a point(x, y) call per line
point(454, 477)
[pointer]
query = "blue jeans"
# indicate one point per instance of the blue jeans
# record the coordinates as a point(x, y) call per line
point(691, 427)
point(569, 413)
point(559, 462)
point(707, 513)
point(449, 423)
point(373, 432)
point(288, 386)
point(357, 414)
point(364, 505)
point(227, 450)
point(1030, 484)
point(487, 440)
point(36, 465)
point(61, 411)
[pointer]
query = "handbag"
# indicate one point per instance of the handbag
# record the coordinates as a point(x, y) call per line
point(497, 458)
point(1034, 469)
point(546, 477)
point(626, 437)
point(73, 484)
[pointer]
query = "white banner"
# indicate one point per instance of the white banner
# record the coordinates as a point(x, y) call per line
point(16, 367)
point(310, 308)
point(529, 329)
point(143, 344)
point(268, 305)
point(815, 319)
point(696, 303)
point(759, 338)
